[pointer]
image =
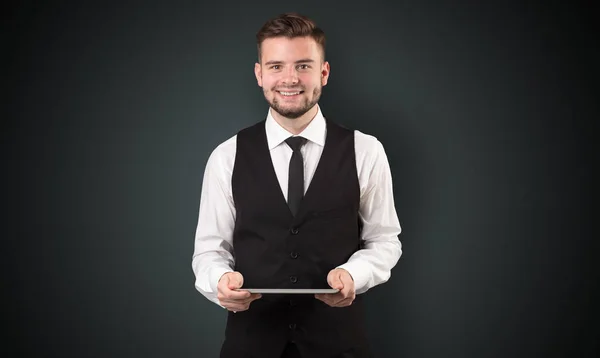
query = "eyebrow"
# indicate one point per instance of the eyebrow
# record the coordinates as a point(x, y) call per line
point(304, 60)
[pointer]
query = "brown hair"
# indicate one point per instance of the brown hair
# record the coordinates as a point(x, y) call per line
point(290, 25)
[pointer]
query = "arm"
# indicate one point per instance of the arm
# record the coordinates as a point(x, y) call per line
point(382, 249)
point(213, 247)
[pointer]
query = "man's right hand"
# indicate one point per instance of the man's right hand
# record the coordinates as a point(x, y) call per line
point(228, 295)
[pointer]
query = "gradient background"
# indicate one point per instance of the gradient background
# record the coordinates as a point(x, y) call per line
point(487, 113)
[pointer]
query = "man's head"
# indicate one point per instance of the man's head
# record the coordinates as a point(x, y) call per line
point(291, 66)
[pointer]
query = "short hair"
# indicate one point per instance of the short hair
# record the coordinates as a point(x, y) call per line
point(290, 25)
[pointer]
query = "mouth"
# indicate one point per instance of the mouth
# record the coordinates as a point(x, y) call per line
point(289, 94)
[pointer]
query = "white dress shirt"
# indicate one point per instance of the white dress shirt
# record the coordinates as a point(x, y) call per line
point(368, 267)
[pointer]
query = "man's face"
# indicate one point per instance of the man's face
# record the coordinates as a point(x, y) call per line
point(291, 73)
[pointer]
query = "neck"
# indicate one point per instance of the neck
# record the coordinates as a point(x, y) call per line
point(295, 125)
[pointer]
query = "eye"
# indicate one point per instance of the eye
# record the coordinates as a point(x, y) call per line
point(275, 67)
point(303, 67)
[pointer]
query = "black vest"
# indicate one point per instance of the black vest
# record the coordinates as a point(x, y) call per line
point(274, 249)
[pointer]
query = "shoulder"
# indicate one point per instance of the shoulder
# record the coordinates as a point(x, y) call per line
point(364, 143)
point(223, 155)
point(371, 157)
point(367, 145)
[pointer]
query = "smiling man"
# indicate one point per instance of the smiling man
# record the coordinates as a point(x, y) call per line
point(295, 201)
point(292, 72)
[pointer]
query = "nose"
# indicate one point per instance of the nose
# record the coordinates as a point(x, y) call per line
point(290, 76)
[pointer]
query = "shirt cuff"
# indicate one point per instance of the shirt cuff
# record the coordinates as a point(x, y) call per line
point(360, 274)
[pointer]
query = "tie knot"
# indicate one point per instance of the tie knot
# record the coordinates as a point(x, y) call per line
point(295, 143)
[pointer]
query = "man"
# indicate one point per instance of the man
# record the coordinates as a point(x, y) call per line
point(295, 201)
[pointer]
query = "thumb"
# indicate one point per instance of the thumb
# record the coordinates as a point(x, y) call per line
point(335, 281)
point(235, 281)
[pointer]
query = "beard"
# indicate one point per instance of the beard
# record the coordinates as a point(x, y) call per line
point(295, 112)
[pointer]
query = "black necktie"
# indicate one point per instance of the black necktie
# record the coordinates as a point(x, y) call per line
point(296, 174)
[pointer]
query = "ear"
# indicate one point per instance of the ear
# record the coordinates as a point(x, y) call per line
point(258, 73)
point(325, 70)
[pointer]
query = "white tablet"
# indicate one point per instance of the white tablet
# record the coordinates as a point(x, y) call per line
point(290, 290)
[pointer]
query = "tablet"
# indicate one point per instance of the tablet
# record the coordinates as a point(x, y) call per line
point(290, 290)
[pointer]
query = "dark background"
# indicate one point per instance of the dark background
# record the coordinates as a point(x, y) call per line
point(487, 112)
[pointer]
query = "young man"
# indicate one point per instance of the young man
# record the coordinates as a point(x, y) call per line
point(295, 201)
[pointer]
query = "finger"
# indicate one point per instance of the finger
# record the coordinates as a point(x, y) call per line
point(237, 307)
point(255, 296)
point(237, 294)
point(328, 299)
point(337, 300)
point(326, 296)
point(344, 303)
point(251, 298)
point(240, 305)
point(343, 293)
point(242, 301)
point(346, 292)
point(334, 280)
point(225, 290)
point(227, 294)
point(236, 280)
point(323, 298)
point(346, 277)
point(348, 283)
point(237, 301)
point(340, 301)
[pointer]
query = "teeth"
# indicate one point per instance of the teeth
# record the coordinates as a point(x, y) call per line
point(289, 93)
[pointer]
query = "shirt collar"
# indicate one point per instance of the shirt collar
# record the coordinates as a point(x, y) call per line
point(314, 132)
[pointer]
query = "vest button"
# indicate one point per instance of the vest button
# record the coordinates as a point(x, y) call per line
point(294, 231)
point(294, 255)
point(292, 326)
point(294, 279)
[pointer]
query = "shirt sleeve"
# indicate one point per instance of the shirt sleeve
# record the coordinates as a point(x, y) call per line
point(213, 243)
point(381, 249)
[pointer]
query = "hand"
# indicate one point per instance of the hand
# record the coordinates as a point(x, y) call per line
point(230, 297)
point(343, 281)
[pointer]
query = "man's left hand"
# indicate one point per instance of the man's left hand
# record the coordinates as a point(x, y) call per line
point(342, 280)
